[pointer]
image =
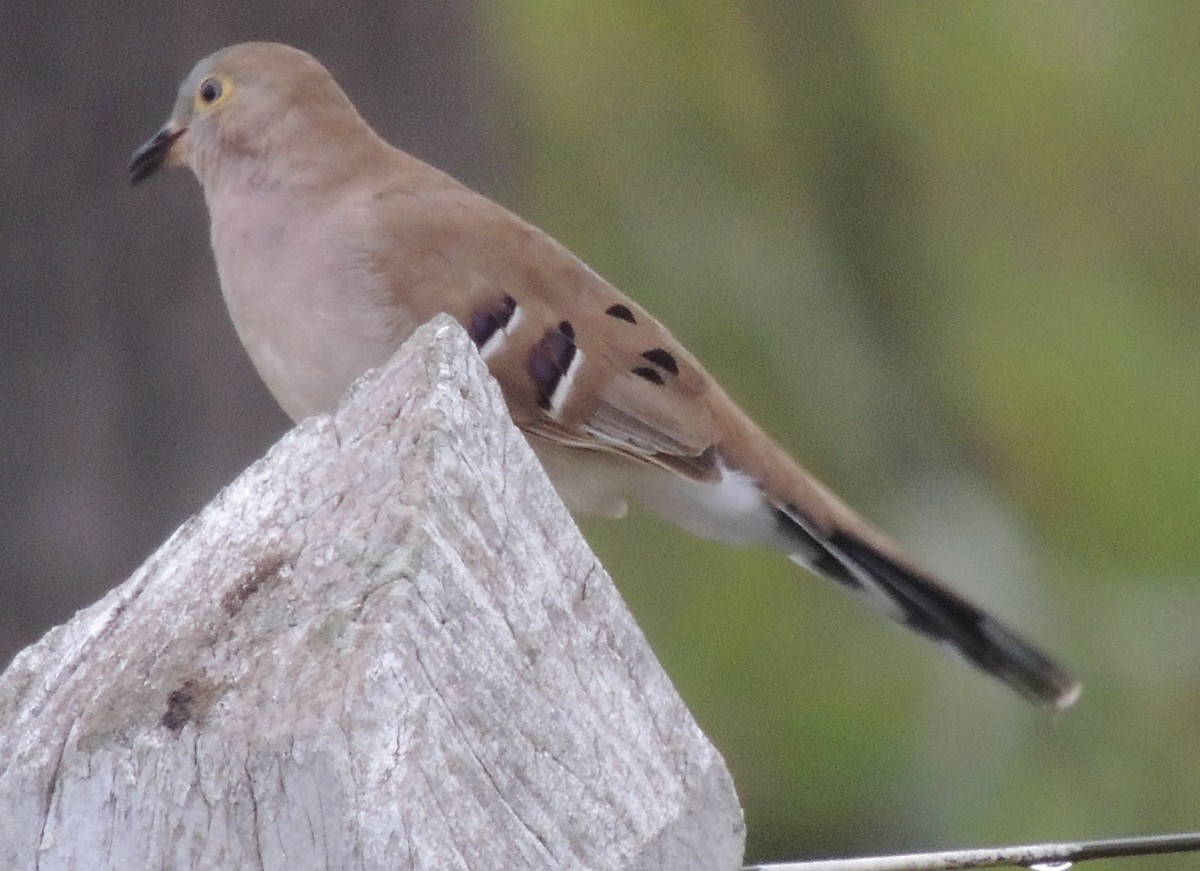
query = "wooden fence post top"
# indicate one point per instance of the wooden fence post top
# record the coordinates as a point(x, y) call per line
point(385, 645)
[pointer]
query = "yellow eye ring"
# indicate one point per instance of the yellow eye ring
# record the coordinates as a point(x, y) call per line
point(212, 92)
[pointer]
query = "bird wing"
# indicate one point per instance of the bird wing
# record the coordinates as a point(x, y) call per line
point(580, 363)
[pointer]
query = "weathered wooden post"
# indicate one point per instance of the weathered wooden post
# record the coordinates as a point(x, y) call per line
point(384, 646)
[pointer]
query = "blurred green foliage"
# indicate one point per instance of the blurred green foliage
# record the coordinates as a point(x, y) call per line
point(946, 253)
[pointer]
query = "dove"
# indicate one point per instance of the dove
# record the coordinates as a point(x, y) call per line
point(332, 246)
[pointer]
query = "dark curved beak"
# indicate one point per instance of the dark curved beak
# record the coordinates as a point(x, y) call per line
point(152, 156)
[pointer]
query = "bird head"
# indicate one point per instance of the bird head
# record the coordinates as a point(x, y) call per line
point(240, 102)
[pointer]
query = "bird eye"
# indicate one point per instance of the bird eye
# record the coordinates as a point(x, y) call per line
point(210, 91)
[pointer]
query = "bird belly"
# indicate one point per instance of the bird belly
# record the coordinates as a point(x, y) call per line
point(730, 509)
point(590, 483)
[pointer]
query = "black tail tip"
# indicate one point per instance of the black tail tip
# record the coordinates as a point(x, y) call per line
point(1024, 667)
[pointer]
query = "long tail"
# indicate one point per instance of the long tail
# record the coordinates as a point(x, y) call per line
point(921, 603)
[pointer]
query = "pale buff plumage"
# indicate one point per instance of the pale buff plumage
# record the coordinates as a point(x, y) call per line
point(332, 246)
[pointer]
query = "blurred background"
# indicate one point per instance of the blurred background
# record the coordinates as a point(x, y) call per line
point(946, 253)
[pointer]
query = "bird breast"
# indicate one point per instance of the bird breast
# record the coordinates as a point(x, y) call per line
point(296, 295)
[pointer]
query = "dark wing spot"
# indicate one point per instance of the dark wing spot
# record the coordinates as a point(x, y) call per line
point(484, 322)
point(620, 312)
point(549, 360)
point(648, 373)
point(663, 359)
